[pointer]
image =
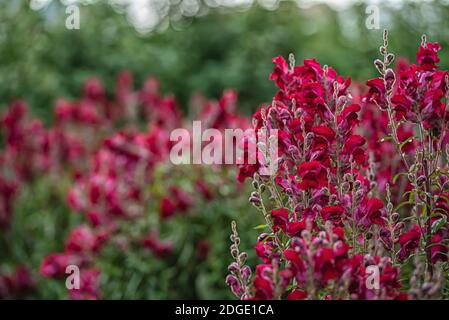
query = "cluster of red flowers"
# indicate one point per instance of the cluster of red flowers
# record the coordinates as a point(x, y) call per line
point(15, 284)
point(359, 198)
point(112, 170)
point(330, 213)
point(416, 101)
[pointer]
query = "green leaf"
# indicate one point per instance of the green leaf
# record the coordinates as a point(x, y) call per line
point(384, 139)
point(438, 224)
point(261, 226)
point(396, 176)
point(403, 143)
point(402, 204)
point(411, 196)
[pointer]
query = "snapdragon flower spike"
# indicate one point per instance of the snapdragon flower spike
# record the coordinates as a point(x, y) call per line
point(314, 111)
point(239, 273)
point(27, 142)
point(415, 99)
point(322, 207)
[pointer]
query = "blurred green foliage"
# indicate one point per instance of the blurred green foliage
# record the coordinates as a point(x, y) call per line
point(41, 60)
point(42, 221)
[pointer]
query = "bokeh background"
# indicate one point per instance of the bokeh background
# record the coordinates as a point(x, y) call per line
point(191, 46)
point(196, 45)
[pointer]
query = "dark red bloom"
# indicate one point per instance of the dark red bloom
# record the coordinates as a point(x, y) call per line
point(438, 249)
point(81, 239)
point(313, 175)
point(371, 212)
point(167, 207)
point(263, 282)
point(353, 147)
point(333, 213)
point(427, 56)
point(280, 219)
point(409, 242)
point(376, 93)
point(295, 228)
point(297, 294)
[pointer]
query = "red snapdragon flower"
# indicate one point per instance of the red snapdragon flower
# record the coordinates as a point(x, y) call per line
point(280, 219)
point(409, 242)
point(333, 214)
point(371, 212)
point(313, 175)
point(427, 56)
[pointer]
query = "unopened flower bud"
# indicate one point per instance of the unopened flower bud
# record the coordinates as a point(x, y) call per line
point(347, 177)
point(399, 227)
point(242, 257)
point(231, 280)
point(254, 199)
point(305, 234)
point(325, 191)
point(284, 114)
point(309, 138)
point(427, 286)
point(395, 217)
point(421, 180)
point(233, 267)
point(234, 284)
point(317, 242)
point(332, 199)
point(379, 66)
point(262, 237)
point(390, 79)
point(384, 232)
point(246, 272)
point(342, 100)
point(345, 187)
point(359, 196)
point(390, 58)
point(255, 184)
point(390, 207)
